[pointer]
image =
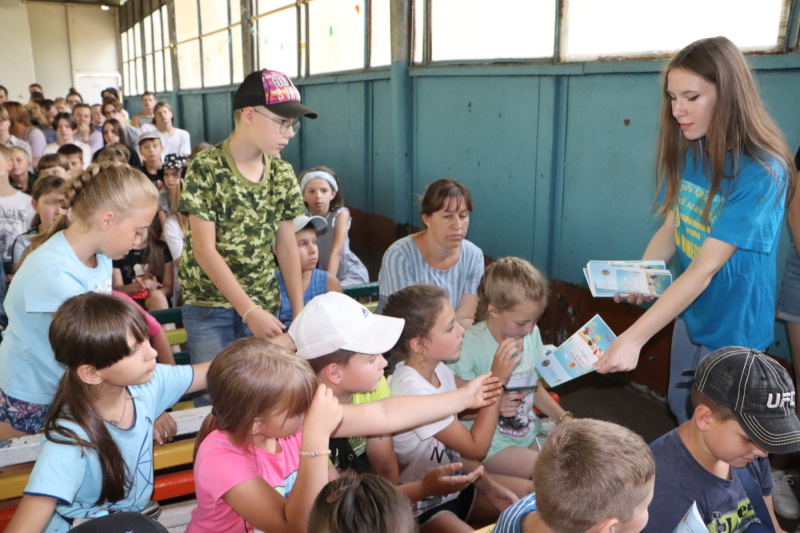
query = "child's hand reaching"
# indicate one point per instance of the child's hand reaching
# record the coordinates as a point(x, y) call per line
point(439, 481)
point(263, 324)
point(499, 496)
point(504, 360)
point(324, 415)
point(481, 391)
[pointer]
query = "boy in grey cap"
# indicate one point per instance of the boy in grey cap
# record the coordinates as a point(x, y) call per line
point(744, 408)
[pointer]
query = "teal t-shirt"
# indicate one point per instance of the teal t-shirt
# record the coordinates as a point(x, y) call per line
point(477, 354)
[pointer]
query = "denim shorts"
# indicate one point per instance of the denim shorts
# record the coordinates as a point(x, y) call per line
point(789, 299)
point(22, 416)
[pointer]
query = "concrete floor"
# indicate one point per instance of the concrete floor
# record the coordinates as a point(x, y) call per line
point(610, 398)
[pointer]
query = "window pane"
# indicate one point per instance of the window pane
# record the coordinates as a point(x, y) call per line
point(148, 35)
point(265, 6)
point(236, 10)
point(150, 70)
point(236, 46)
point(139, 76)
point(213, 15)
point(419, 31)
point(633, 27)
point(277, 42)
point(165, 25)
point(336, 35)
point(159, 58)
point(216, 60)
point(131, 49)
point(168, 69)
point(186, 20)
point(127, 81)
point(189, 65)
point(492, 30)
point(380, 53)
point(137, 40)
point(157, 33)
point(123, 46)
point(303, 40)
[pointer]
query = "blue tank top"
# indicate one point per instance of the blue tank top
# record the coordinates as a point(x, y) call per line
point(318, 285)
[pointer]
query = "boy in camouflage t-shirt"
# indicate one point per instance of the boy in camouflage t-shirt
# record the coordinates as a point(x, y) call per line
point(241, 199)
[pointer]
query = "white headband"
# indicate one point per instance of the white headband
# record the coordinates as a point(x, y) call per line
point(321, 175)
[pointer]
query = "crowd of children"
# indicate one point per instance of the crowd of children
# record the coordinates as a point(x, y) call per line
point(328, 417)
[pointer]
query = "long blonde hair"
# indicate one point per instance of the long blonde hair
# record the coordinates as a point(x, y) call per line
point(739, 123)
point(508, 282)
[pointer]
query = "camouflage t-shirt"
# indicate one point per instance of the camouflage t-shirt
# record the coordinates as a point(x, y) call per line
point(246, 215)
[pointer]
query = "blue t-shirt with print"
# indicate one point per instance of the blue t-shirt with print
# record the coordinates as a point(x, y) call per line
point(72, 474)
point(738, 306)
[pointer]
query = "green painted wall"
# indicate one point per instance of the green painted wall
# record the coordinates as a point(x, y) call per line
point(559, 159)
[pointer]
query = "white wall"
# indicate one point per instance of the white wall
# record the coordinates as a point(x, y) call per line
point(16, 53)
point(58, 46)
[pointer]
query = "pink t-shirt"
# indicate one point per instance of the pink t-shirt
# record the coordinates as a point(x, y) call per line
point(221, 465)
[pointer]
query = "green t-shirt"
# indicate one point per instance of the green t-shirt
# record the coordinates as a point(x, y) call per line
point(382, 391)
point(246, 215)
point(477, 355)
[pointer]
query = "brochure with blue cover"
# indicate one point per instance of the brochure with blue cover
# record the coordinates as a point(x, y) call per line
point(578, 354)
point(607, 278)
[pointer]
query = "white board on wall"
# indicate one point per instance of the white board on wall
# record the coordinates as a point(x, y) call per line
point(91, 84)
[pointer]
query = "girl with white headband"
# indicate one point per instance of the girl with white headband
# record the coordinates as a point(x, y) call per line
point(323, 198)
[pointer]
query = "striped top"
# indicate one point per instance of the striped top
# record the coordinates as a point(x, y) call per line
point(510, 520)
point(403, 266)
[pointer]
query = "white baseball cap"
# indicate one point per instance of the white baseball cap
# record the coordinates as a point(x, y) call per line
point(304, 220)
point(334, 321)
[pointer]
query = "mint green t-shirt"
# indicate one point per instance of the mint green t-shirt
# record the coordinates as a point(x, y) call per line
point(477, 354)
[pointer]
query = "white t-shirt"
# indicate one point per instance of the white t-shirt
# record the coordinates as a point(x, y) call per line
point(418, 451)
point(16, 215)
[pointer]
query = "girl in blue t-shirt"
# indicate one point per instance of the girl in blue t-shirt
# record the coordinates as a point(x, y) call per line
point(109, 209)
point(723, 172)
point(97, 454)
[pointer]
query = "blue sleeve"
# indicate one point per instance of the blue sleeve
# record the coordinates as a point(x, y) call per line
point(396, 272)
point(169, 383)
point(58, 472)
point(474, 266)
point(752, 214)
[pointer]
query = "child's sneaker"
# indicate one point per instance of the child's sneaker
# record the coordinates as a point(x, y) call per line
point(783, 499)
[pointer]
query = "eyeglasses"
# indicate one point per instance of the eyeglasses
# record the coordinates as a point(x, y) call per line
point(294, 125)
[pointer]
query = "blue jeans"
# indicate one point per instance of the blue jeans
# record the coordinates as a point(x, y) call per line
point(208, 331)
point(684, 355)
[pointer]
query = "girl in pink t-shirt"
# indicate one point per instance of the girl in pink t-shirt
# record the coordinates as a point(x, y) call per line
point(261, 456)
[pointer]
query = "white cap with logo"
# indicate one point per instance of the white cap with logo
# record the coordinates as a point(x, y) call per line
point(334, 321)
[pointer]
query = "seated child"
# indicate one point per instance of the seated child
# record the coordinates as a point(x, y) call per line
point(591, 476)
point(744, 408)
point(21, 176)
point(343, 342)
point(363, 503)
point(431, 336)
point(97, 452)
point(315, 281)
point(74, 155)
point(261, 456)
point(16, 210)
point(512, 295)
point(145, 273)
point(150, 150)
point(46, 201)
point(54, 165)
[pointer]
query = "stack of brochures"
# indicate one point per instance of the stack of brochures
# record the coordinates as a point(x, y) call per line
point(578, 354)
point(607, 278)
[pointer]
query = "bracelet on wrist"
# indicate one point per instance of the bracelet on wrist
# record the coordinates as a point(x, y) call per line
point(314, 454)
point(244, 316)
point(565, 413)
